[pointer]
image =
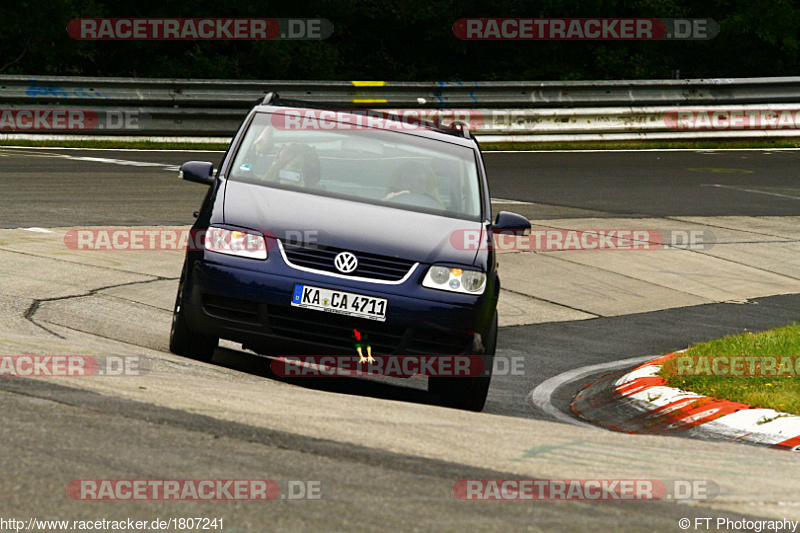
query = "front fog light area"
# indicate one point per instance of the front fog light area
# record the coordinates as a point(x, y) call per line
point(439, 275)
point(455, 280)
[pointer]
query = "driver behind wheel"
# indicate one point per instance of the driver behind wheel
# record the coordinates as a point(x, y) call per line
point(410, 179)
point(295, 164)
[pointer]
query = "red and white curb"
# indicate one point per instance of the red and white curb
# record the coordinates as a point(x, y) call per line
point(640, 401)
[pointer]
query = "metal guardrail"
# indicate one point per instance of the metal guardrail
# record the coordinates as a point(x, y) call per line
point(514, 111)
point(200, 93)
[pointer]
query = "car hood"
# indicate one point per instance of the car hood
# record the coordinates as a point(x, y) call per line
point(348, 224)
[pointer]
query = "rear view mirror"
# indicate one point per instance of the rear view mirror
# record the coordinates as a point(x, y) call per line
point(198, 172)
point(511, 222)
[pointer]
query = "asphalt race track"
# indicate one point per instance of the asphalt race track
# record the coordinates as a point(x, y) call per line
point(386, 455)
point(42, 189)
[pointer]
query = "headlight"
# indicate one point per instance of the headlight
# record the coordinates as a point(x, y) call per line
point(439, 275)
point(234, 242)
point(455, 280)
point(473, 281)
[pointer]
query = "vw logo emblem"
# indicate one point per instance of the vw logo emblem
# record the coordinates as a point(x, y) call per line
point(345, 262)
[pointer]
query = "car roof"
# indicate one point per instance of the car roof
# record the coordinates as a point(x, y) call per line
point(425, 130)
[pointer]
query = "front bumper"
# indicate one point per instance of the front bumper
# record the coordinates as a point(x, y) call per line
point(253, 307)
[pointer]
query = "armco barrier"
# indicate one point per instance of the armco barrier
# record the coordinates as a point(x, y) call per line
point(500, 111)
point(522, 94)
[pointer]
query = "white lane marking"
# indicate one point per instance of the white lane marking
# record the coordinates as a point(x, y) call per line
point(123, 162)
point(742, 189)
point(37, 230)
point(503, 201)
point(541, 396)
point(24, 152)
point(83, 149)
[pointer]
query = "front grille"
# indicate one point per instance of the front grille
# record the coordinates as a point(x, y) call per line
point(231, 308)
point(379, 267)
point(438, 343)
point(334, 331)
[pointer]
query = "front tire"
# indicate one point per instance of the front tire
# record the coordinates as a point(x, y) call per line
point(470, 393)
point(182, 341)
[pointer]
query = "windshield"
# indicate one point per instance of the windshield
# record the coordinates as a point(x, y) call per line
point(360, 163)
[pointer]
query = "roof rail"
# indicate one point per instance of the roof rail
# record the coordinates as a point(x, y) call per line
point(270, 97)
point(463, 128)
point(457, 128)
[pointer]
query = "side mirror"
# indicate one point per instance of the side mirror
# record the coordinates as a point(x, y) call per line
point(511, 222)
point(198, 172)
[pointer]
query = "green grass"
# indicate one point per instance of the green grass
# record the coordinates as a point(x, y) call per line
point(754, 385)
point(641, 145)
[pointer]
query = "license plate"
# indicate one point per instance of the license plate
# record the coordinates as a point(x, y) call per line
point(340, 302)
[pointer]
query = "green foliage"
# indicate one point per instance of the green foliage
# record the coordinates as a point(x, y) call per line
point(412, 40)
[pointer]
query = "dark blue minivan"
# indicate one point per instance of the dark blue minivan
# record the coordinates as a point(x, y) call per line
point(320, 223)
